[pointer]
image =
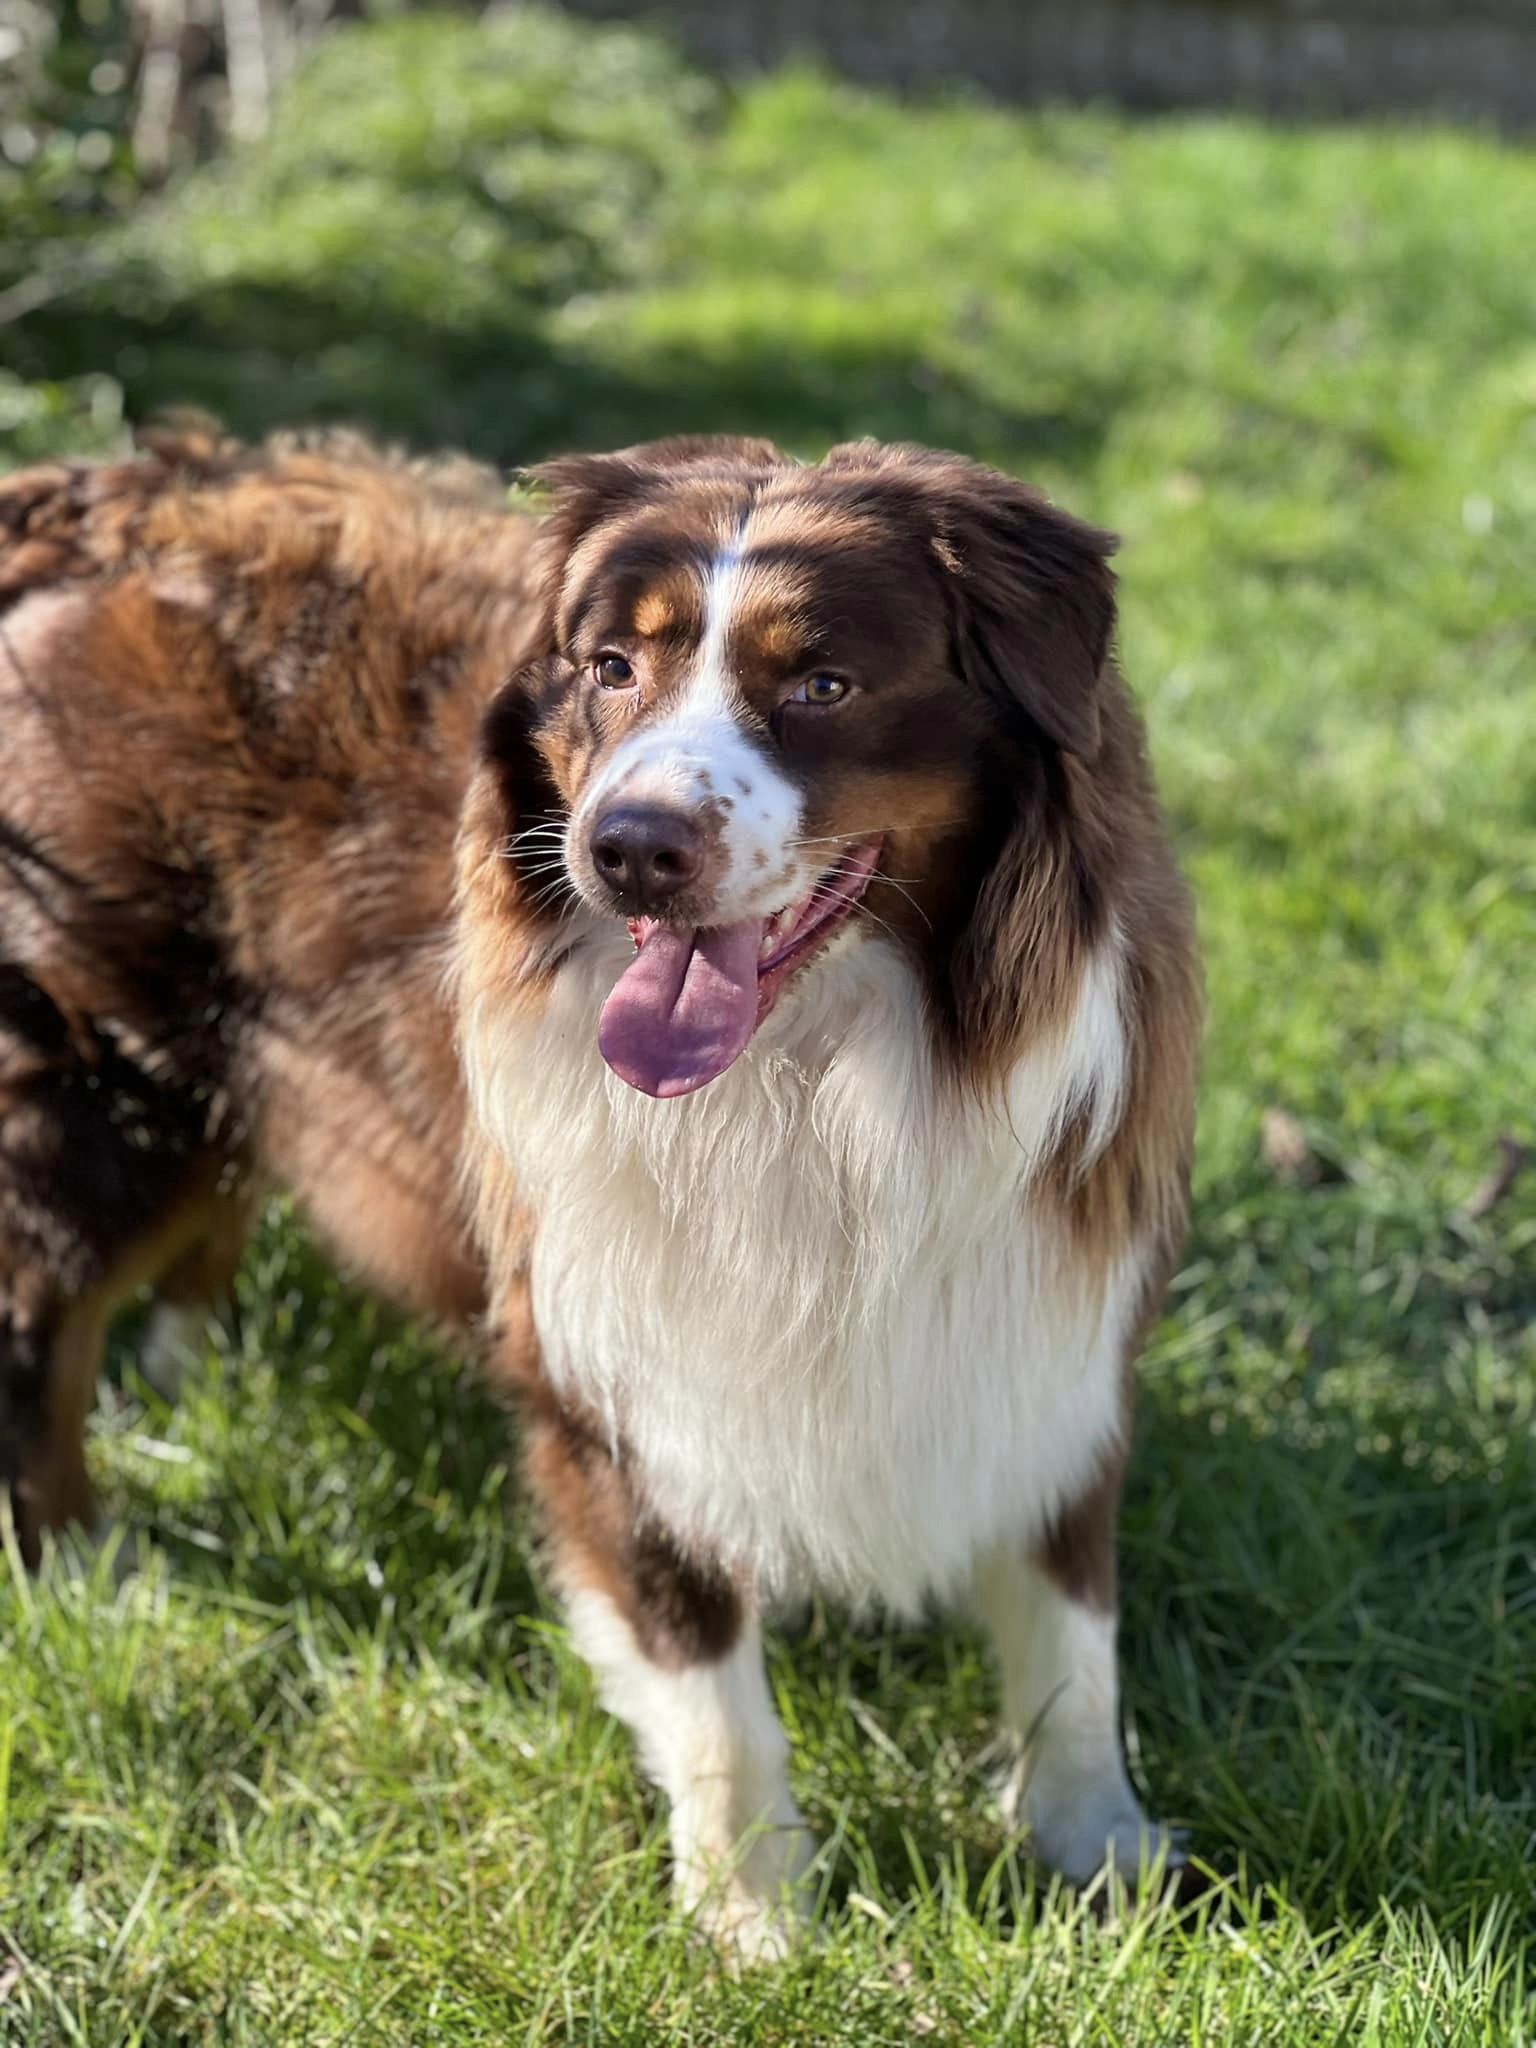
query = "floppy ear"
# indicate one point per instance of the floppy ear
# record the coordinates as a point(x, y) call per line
point(1030, 592)
point(1034, 603)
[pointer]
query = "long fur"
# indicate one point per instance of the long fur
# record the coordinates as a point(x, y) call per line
point(861, 1312)
point(815, 1301)
point(862, 1307)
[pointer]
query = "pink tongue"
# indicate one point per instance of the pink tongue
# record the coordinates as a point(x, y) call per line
point(684, 1008)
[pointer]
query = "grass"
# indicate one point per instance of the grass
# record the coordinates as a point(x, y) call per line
point(326, 1771)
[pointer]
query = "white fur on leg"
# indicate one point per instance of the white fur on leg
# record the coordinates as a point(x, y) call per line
point(709, 1737)
point(1061, 1702)
point(174, 1340)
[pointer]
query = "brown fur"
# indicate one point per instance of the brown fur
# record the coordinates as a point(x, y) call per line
point(1001, 754)
point(682, 1611)
point(240, 692)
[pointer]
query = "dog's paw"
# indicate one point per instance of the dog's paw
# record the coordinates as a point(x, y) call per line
point(755, 1908)
point(749, 1931)
point(1141, 1855)
point(1085, 1840)
point(175, 1341)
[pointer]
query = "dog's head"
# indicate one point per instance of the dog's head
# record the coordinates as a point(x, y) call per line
point(788, 706)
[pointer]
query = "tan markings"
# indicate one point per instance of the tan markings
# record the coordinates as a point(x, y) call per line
point(777, 640)
point(771, 615)
point(926, 802)
point(1078, 1548)
point(598, 1539)
point(55, 1488)
point(669, 607)
point(654, 614)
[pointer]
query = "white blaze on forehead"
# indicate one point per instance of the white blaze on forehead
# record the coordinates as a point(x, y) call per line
point(722, 591)
point(700, 756)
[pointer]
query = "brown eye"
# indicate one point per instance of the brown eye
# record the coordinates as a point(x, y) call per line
point(820, 690)
point(613, 672)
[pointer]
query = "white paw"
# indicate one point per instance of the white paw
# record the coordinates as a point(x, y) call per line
point(1142, 1854)
point(175, 1340)
point(1102, 1830)
point(755, 1906)
point(748, 1930)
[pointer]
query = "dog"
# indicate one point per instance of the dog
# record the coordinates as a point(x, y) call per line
point(240, 691)
point(720, 941)
point(829, 1003)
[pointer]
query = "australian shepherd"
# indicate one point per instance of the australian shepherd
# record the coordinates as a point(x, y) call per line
point(719, 938)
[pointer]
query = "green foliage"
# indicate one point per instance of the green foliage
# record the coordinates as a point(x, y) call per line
point(328, 1770)
point(64, 158)
point(392, 251)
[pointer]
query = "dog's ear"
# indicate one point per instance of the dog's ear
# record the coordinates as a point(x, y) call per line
point(585, 490)
point(1030, 593)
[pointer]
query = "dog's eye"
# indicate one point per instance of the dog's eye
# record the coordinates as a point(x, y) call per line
point(821, 690)
point(612, 672)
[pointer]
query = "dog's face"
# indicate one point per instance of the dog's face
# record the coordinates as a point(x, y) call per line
point(779, 707)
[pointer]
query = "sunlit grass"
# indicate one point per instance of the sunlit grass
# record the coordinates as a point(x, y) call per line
point(326, 1770)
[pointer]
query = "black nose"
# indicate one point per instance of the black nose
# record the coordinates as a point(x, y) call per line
point(646, 856)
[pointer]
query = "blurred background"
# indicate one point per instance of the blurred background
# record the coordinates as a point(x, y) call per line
point(1251, 283)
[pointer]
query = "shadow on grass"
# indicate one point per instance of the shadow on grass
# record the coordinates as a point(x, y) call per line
point(1328, 1626)
point(1326, 1651)
point(262, 357)
point(339, 1461)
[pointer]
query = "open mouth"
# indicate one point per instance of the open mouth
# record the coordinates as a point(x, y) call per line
point(689, 1002)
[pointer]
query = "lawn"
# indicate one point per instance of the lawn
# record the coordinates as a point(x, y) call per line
point(325, 1770)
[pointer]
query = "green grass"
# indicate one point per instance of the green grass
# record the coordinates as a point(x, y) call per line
point(327, 1771)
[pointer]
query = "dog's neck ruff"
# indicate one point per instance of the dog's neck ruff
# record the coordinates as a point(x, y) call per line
point(818, 1303)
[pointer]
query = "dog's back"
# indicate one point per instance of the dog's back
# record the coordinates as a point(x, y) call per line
point(239, 692)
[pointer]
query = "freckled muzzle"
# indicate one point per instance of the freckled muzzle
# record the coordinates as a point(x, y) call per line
point(688, 818)
point(691, 834)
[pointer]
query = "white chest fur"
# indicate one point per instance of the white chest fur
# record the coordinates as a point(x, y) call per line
point(815, 1299)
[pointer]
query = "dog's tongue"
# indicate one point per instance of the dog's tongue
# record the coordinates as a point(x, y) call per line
point(684, 1008)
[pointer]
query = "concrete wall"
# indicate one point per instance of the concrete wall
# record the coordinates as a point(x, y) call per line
point(1475, 60)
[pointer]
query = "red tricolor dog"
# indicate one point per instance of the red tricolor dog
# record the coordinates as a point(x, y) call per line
point(827, 1006)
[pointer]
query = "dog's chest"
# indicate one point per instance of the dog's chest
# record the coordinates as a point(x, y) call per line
point(822, 1315)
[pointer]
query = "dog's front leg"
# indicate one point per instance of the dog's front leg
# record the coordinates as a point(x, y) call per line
point(1068, 1785)
point(678, 1656)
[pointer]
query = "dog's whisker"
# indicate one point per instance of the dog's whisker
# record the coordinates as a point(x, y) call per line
point(550, 893)
point(898, 883)
point(554, 827)
point(512, 851)
point(868, 832)
point(820, 898)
